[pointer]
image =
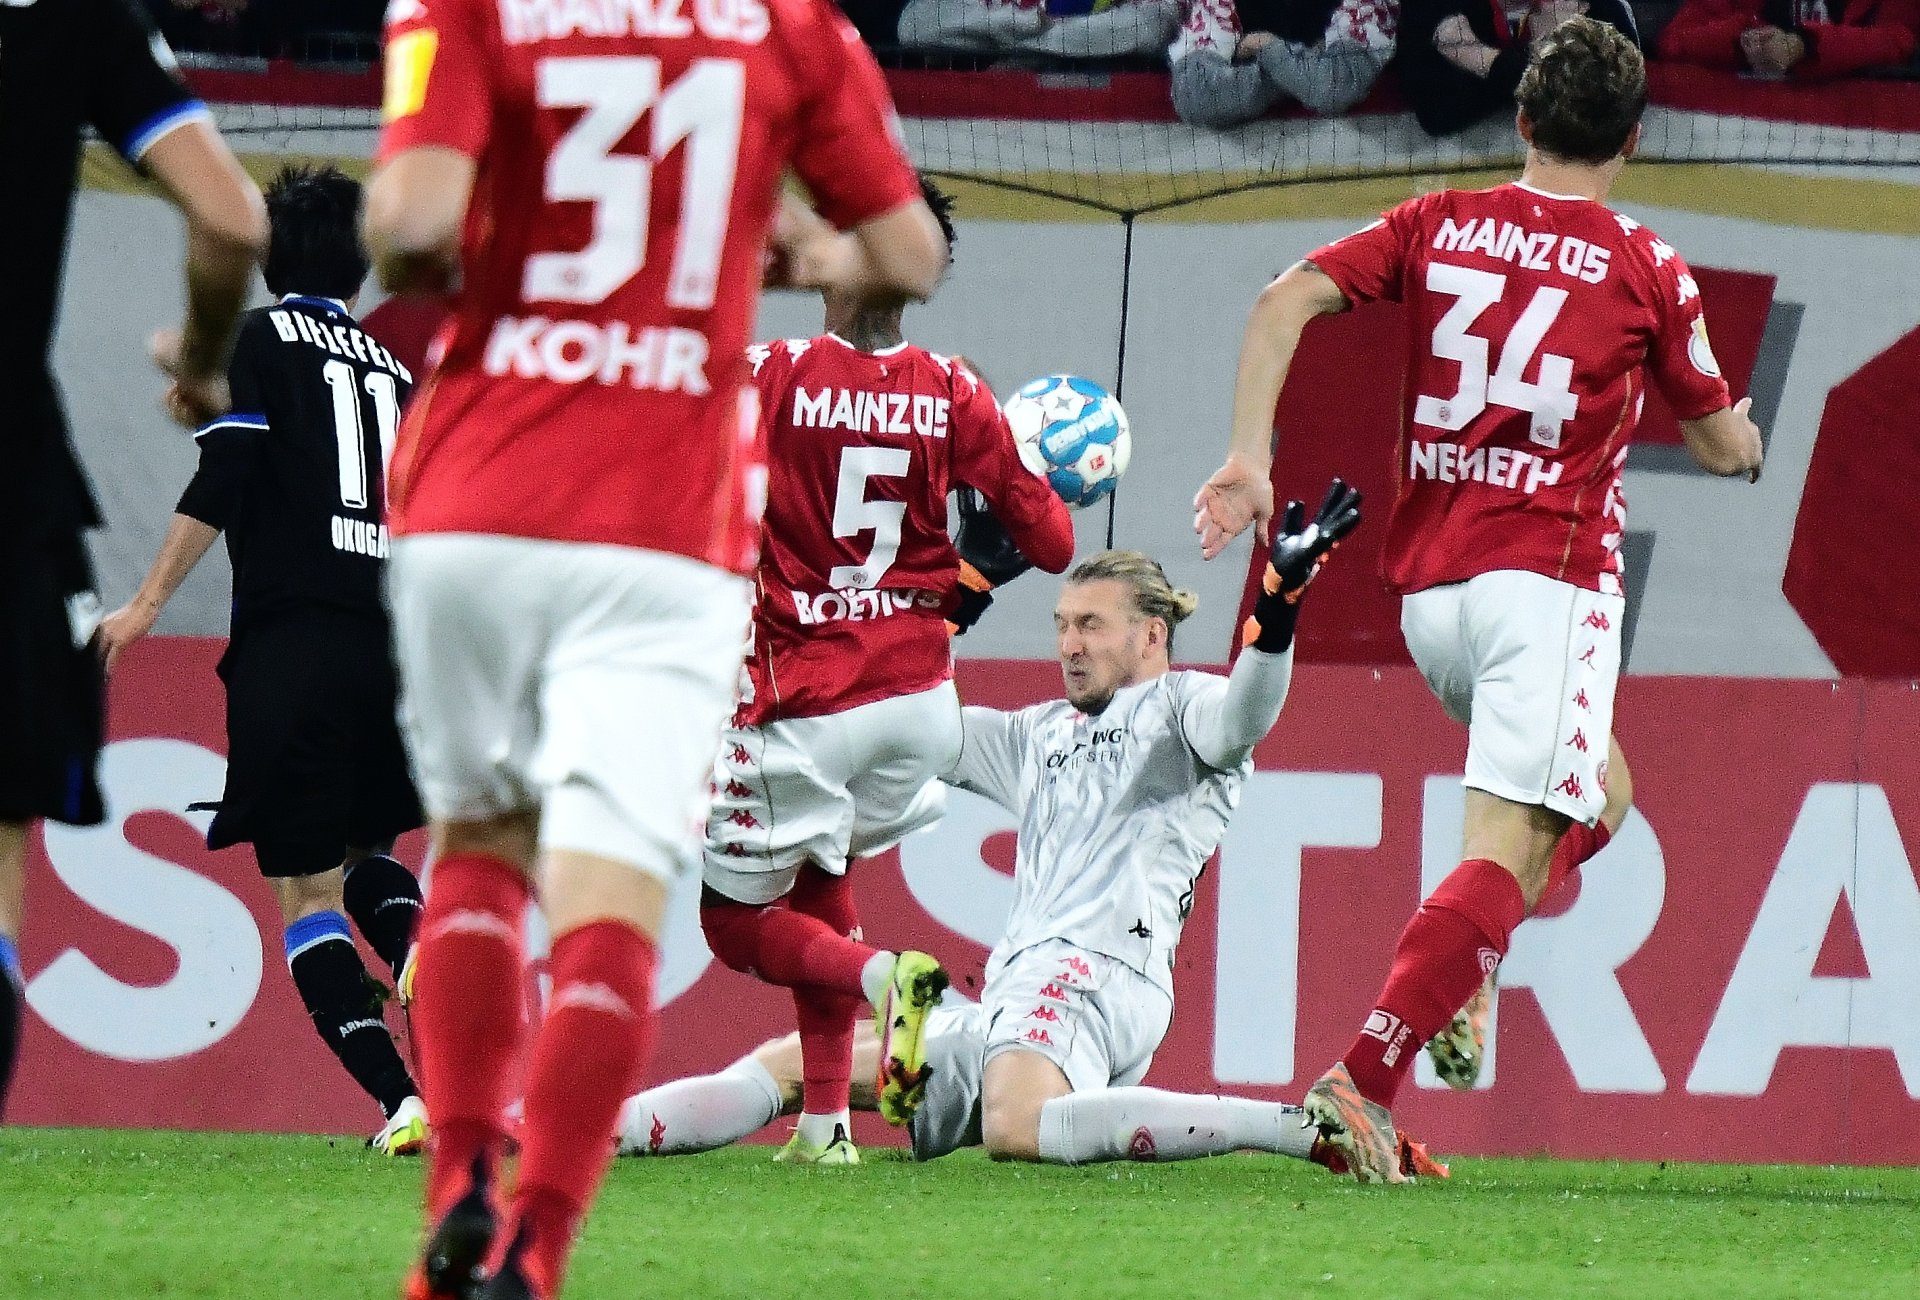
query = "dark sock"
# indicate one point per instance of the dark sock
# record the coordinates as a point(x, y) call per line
point(10, 1017)
point(383, 898)
point(344, 1003)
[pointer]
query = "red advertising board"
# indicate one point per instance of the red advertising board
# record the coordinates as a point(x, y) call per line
point(1735, 978)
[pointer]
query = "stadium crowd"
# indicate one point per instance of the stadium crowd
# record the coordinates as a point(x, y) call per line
point(1454, 62)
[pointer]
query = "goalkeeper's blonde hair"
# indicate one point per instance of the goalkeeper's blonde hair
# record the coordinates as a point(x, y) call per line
point(1146, 582)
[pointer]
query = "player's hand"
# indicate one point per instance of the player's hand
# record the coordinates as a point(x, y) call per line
point(191, 400)
point(1250, 46)
point(121, 629)
point(1238, 494)
point(1741, 408)
point(1303, 545)
point(984, 542)
point(804, 251)
point(967, 601)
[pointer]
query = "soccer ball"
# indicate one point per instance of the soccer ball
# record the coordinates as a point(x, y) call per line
point(1072, 431)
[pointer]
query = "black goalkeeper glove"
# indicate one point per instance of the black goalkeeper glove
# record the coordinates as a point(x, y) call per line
point(1298, 552)
point(989, 558)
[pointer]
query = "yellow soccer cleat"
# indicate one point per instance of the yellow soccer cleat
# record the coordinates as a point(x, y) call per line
point(838, 1150)
point(900, 1018)
point(406, 1133)
point(408, 969)
point(1459, 1050)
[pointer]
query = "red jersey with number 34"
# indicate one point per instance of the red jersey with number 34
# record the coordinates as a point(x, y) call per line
point(1533, 322)
point(855, 562)
point(628, 156)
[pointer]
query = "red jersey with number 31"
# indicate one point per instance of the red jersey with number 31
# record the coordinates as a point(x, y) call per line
point(628, 157)
point(855, 562)
point(1531, 319)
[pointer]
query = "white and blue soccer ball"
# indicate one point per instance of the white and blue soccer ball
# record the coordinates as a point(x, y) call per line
point(1074, 433)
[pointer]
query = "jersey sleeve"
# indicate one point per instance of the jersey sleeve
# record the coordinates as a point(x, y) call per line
point(992, 747)
point(1368, 265)
point(437, 92)
point(848, 150)
point(229, 445)
point(135, 95)
point(985, 458)
point(1681, 359)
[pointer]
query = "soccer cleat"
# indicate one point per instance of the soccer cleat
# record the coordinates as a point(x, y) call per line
point(1414, 1160)
point(839, 1150)
point(450, 1267)
point(408, 969)
point(900, 1018)
point(1459, 1050)
point(1359, 1130)
point(406, 1133)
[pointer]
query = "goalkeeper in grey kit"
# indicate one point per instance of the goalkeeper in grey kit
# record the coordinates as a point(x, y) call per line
point(1123, 790)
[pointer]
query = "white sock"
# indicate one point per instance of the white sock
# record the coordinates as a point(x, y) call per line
point(817, 1130)
point(699, 1114)
point(875, 975)
point(1149, 1124)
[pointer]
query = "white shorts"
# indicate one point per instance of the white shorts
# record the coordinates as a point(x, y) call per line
point(826, 789)
point(1098, 1019)
point(1530, 665)
point(590, 682)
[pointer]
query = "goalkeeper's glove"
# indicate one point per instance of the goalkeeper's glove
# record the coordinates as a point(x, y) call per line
point(989, 558)
point(1298, 552)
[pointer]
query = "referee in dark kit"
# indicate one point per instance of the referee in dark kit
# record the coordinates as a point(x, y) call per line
point(66, 65)
point(317, 777)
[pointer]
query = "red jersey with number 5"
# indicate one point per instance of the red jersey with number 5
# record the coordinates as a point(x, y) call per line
point(628, 162)
point(1533, 320)
point(855, 561)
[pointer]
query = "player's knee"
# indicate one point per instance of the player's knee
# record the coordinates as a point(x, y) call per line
point(1619, 792)
point(512, 837)
point(1010, 1129)
point(727, 925)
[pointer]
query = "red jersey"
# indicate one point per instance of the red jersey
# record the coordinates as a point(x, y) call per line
point(855, 561)
point(1530, 317)
point(629, 156)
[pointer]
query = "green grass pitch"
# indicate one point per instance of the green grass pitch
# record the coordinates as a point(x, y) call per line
point(109, 1215)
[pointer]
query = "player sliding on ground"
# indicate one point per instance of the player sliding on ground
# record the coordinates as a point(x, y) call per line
point(1123, 791)
point(575, 505)
point(848, 710)
point(1532, 311)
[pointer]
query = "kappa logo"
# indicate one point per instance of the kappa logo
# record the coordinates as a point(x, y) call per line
point(1040, 1036)
point(739, 756)
point(590, 997)
point(1079, 967)
point(736, 850)
point(1587, 658)
point(1047, 1014)
point(1596, 619)
point(1579, 740)
point(657, 1135)
point(741, 817)
point(739, 790)
point(1141, 1147)
point(1580, 698)
point(1571, 787)
point(1053, 991)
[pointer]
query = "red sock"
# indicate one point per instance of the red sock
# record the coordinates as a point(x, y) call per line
point(826, 1017)
point(586, 1062)
point(1458, 935)
point(466, 1013)
point(1575, 847)
point(783, 946)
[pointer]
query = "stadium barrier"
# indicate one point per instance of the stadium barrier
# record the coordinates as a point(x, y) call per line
point(1733, 979)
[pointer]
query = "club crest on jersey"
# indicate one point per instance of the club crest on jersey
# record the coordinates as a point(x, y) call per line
point(1700, 351)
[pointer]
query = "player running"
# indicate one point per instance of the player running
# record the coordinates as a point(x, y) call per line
point(317, 779)
point(63, 67)
point(1123, 791)
point(848, 710)
point(1531, 311)
point(575, 499)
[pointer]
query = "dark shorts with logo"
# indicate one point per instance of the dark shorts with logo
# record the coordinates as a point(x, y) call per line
point(51, 702)
point(314, 758)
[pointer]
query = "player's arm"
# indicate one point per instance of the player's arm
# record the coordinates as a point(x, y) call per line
point(187, 541)
point(869, 232)
point(992, 743)
point(437, 114)
point(1241, 491)
point(136, 100)
point(1726, 442)
point(1223, 726)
